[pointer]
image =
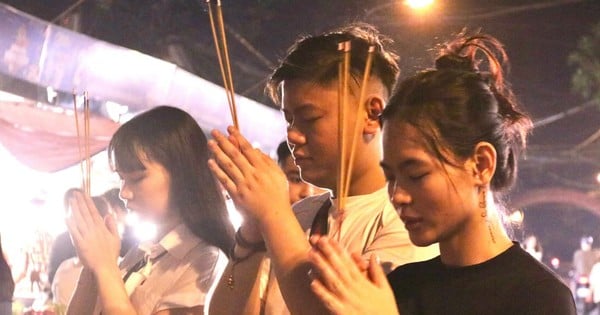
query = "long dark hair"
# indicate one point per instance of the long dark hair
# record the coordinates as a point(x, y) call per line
point(456, 105)
point(171, 137)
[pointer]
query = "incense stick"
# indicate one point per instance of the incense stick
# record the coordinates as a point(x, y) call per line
point(342, 126)
point(78, 140)
point(359, 108)
point(85, 156)
point(86, 141)
point(220, 41)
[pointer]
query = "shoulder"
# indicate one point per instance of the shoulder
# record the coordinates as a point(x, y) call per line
point(525, 276)
point(306, 209)
point(204, 256)
point(310, 203)
point(190, 255)
point(520, 260)
point(531, 270)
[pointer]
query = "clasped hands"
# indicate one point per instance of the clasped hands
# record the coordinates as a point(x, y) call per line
point(346, 283)
point(253, 180)
point(96, 239)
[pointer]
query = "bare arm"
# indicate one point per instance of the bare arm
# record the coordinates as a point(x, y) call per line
point(259, 189)
point(84, 297)
point(289, 255)
point(237, 290)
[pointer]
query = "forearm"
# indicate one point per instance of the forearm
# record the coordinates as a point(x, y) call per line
point(237, 290)
point(288, 249)
point(85, 295)
point(108, 286)
point(111, 291)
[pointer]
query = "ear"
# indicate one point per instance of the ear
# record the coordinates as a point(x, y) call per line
point(484, 163)
point(373, 109)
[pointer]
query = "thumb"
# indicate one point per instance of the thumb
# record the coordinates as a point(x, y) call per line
point(376, 273)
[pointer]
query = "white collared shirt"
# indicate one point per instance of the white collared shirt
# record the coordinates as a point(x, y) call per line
point(181, 278)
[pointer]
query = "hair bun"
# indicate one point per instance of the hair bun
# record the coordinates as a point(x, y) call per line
point(454, 62)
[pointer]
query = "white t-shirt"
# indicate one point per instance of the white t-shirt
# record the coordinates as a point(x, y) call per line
point(370, 226)
point(181, 278)
point(65, 280)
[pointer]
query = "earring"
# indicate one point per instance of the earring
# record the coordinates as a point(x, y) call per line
point(482, 203)
point(484, 214)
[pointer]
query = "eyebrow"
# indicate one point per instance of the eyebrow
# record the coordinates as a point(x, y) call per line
point(301, 108)
point(403, 164)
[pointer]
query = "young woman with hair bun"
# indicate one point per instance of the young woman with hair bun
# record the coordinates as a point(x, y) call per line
point(452, 137)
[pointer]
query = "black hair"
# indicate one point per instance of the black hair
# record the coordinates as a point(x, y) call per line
point(316, 58)
point(455, 106)
point(172, 138)
point(112, 197)
point(283, 152)
point(99, 202)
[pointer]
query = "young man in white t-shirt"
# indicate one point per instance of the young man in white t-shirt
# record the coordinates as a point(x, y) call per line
point(306, 86)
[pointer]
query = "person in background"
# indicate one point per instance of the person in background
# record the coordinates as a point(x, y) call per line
point(533, 246)
point(583, 285)
point(62, 247)
point(451, 139)
point(584, 257)
point(7, 284)
point(161, 157)
point(297, 188)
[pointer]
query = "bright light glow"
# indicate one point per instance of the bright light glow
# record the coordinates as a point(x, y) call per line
point(116, 111)
point(7, 97)
point(143, 231)
point(598, 178)
point(51, 94)
point(555, 262)
point(132, 218)
point(516, 217)
point(419, 4)
point(234, 215)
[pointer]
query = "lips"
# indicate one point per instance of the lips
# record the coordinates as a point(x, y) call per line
point(411, 223)
point(301, 160)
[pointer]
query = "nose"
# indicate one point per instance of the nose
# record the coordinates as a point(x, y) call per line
point(125, 192)
point(398, 196)
point(295, 138)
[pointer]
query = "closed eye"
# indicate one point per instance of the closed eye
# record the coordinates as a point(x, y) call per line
point(418, 177)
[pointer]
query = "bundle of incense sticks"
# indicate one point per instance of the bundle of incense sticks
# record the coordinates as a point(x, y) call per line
point(218, 32)
point(83, 142)
point(346, 161)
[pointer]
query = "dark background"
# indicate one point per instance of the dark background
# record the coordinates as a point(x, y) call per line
point(539, 36)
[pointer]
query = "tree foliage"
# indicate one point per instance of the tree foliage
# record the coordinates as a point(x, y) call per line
point(586, 59)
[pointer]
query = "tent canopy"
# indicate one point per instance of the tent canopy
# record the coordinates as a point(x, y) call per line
point(46, 64)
